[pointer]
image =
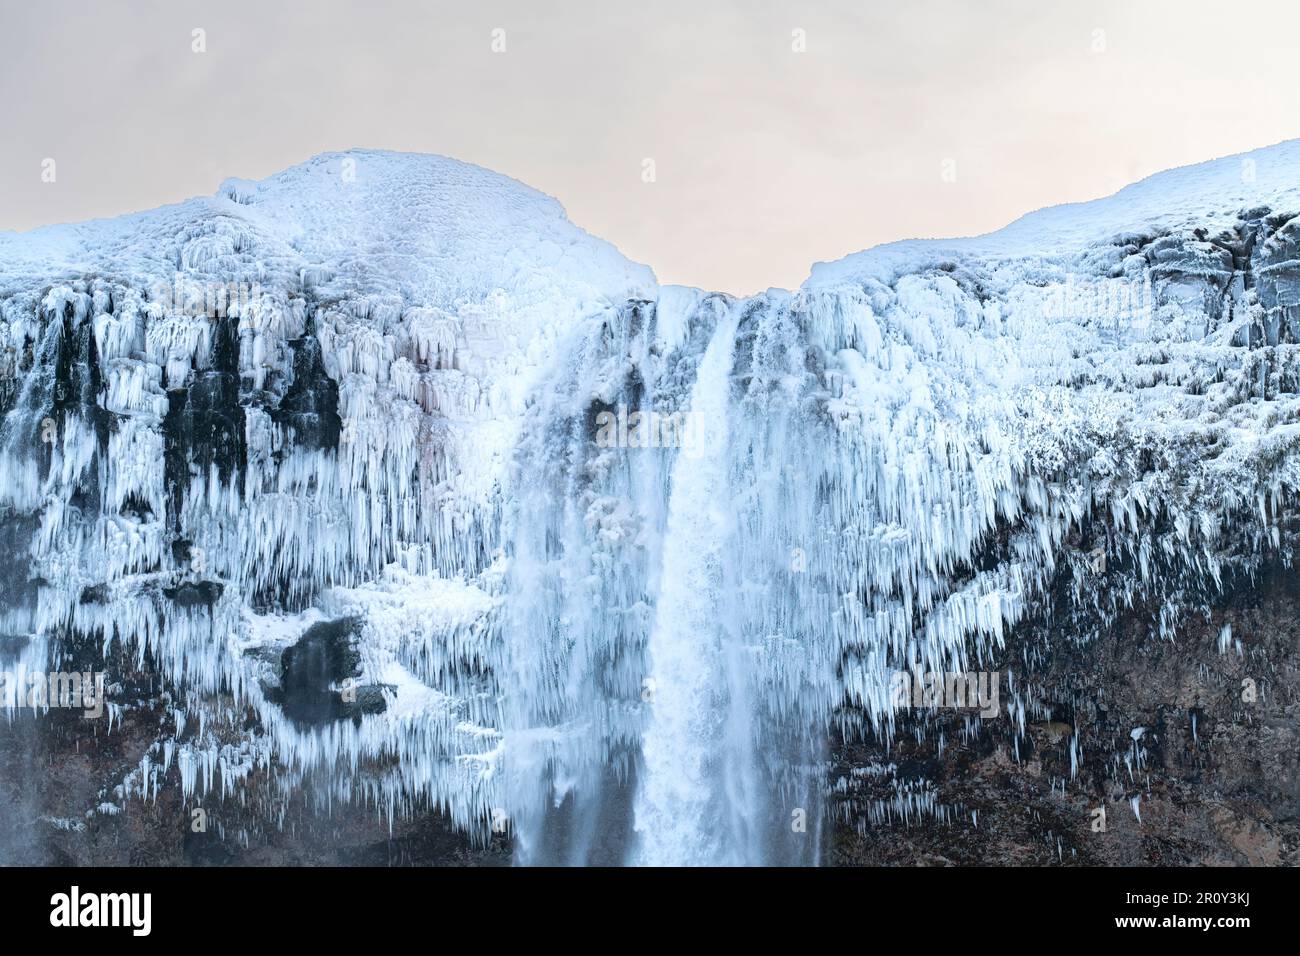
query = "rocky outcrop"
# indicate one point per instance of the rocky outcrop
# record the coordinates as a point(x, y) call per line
point(1138, 751)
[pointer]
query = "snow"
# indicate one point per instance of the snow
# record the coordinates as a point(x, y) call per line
point(381, 223)
point(1208, 195)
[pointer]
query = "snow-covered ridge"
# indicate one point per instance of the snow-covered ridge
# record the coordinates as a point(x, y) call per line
point(1210, 196)
point(381, 452)
point(383, 223)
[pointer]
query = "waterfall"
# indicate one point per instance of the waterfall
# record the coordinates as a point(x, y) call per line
point(697, 784)
point(667, 668)
point(602, 566)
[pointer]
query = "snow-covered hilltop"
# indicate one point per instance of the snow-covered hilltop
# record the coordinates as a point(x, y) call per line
point(395, 477)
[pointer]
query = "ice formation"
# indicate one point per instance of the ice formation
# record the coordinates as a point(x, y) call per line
point(322, 451)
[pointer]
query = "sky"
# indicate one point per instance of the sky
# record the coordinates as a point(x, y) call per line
point(728, 144)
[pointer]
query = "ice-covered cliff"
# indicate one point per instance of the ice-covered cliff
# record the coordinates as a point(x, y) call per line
point(398, 482)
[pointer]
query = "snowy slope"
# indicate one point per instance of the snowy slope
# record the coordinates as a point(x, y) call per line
point(428, 227)
point(1210, 196)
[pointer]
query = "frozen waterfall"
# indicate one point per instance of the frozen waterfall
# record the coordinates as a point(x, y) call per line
point(448, 506)
point(697, 788)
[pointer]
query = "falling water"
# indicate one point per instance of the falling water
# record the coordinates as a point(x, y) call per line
point(697, 788)
point(666, 661)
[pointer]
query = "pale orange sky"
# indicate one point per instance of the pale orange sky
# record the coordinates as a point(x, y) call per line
point(765, 159)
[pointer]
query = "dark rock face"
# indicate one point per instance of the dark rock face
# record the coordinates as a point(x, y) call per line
point(205, 421)
point(1214, 272)
point(1214, 770)
point(204, 593)
point(310, 402)
point(52, 767)
point(313, 667)
point(18, 592)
